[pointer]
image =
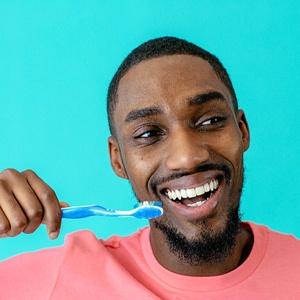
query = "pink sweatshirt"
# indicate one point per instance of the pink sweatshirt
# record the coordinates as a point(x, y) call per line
point(125, 268)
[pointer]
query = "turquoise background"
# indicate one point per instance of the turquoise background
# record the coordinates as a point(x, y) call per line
point(56, 61)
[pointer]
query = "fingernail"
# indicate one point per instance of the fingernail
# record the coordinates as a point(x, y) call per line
point(53, 235)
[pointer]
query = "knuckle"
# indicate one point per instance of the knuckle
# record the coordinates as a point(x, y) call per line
point(28, 173)
point(35, 214)
point(9, 173)
point(48, 195)
point(18, 224)
point(4, 227)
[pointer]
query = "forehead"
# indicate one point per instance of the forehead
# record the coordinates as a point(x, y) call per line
point(166, 81)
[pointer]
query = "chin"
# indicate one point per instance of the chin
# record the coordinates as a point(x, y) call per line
point(207, 242)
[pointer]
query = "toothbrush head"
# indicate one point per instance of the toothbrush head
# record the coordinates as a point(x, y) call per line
point(147, 210)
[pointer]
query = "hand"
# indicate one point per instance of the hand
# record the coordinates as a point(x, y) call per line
point(26, 201)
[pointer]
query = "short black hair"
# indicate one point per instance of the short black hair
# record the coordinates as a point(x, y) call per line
point(156, 48)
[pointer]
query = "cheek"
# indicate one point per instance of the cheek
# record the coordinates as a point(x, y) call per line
point(231, 147)
point(235, 155)
point(139, 169)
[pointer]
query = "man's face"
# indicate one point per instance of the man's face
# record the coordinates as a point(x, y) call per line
point(180, 142)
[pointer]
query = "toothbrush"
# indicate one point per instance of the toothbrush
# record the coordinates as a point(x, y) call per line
point(144, 210)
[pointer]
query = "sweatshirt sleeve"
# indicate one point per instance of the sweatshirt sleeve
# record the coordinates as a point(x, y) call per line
point(32, 273)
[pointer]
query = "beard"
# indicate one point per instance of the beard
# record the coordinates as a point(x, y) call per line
point(210, 248)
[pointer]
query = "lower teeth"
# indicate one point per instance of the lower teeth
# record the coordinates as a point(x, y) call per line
point(199, 203)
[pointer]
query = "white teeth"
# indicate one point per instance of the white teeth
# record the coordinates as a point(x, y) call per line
point(206, 187)
point(178, 194)
point(174, 196)
point(200, 190)
point(199, 203)
point(194, 192)
point(183, 193)
point(191, 193)
point(215, 184)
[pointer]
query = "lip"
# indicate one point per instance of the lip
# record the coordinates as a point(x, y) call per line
point(192, 181)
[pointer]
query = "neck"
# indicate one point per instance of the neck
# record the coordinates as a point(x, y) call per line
point(169, 260)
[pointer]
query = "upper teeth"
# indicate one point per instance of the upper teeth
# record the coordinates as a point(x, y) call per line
point(194, 192)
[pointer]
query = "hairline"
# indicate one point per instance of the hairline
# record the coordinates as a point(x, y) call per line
point(130, 61)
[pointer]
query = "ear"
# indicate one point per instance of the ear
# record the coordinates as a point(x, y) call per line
point(244, 128)
point(115, 158)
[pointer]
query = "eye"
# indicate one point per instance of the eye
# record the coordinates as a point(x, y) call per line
point(211, 123)
point(149, 134)
point(212, 120)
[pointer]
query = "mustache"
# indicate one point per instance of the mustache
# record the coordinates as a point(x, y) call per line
point(202, 168)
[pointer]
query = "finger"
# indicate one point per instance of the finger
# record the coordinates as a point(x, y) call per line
point(49, 202)
point(30, 205)
point(4, 224)
point(33, 211)
point(26, 199)
point(13, 218)
point(63, 204)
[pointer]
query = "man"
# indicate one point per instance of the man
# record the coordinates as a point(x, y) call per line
point(179, 138)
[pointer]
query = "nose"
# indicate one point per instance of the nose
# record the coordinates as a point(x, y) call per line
point(185, 151)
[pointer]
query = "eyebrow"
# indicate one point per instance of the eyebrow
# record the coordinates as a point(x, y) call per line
point(154, 110)
point(142, 113)
point(203, 98)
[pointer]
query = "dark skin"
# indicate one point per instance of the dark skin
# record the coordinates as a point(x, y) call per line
point(173, 115)
point(26, 202)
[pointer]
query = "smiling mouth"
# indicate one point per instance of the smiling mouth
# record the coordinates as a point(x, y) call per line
point(193, 196)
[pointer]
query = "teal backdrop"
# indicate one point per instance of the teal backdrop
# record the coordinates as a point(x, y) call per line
point(56, 61)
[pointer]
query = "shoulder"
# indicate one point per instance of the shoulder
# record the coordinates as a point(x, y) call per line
point(273, 234)
point(276, 242)
point(53, 268)
point(27, 271)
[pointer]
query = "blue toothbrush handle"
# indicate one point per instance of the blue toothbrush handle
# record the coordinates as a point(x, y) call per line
point(78, 212)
